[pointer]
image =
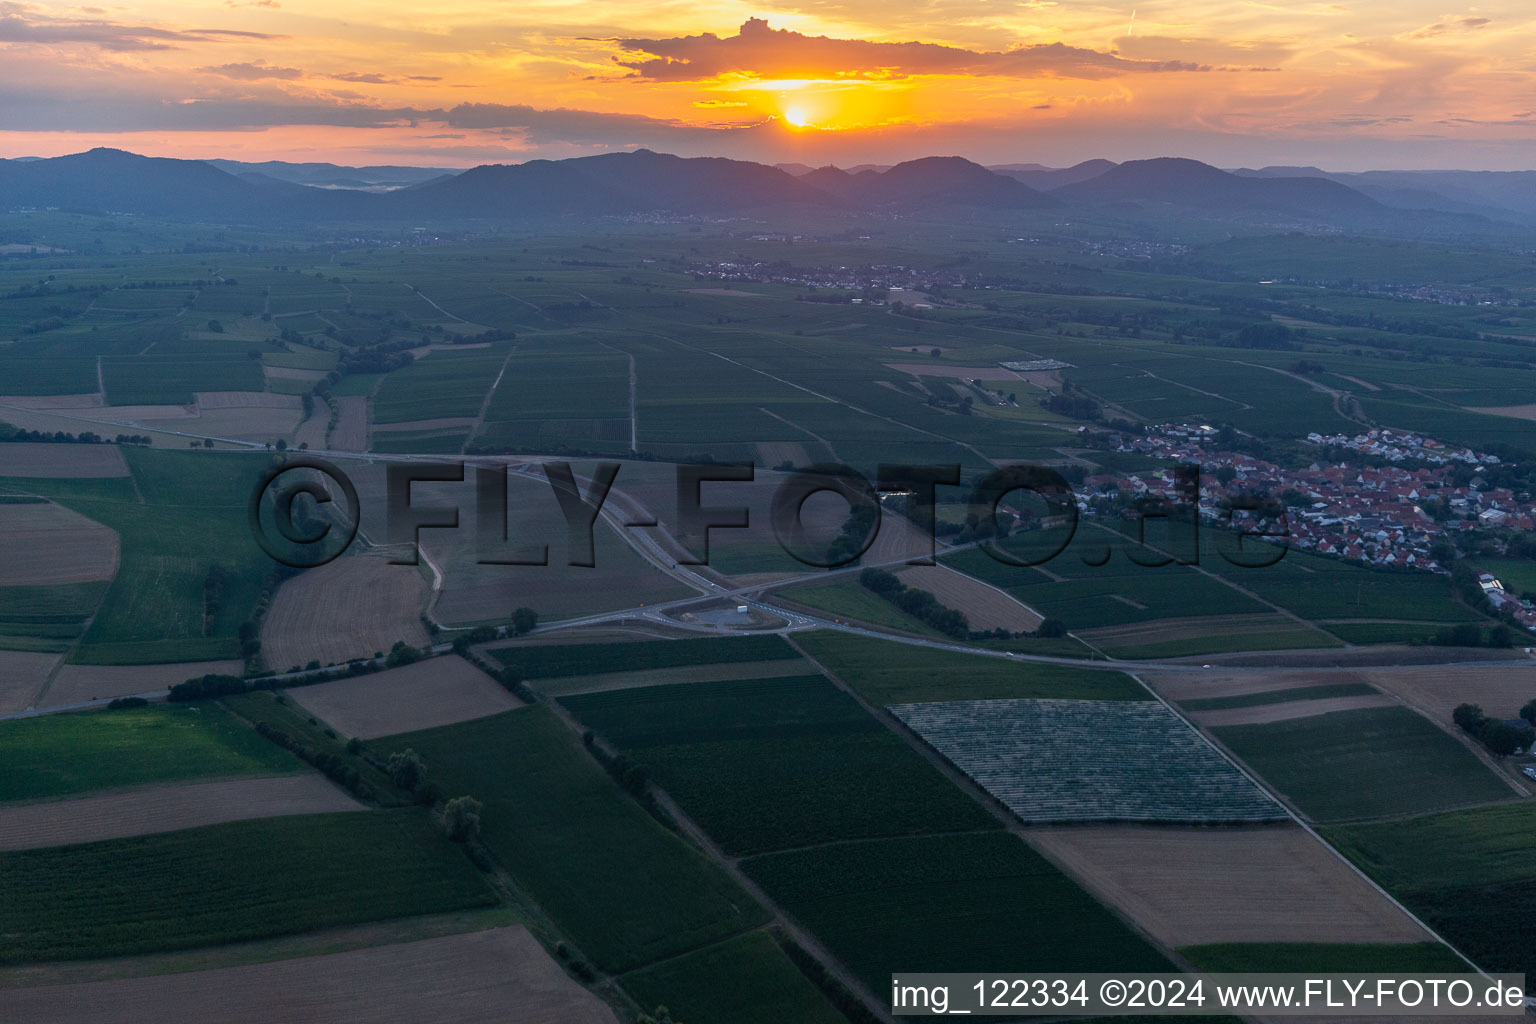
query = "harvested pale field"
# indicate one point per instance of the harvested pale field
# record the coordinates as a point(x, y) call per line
point(1224, 630)
point(474, 592)
point(77, 683)
point(141, 812)
point(958, 372)
point(129, 414)
point(351, 431)
point(986, 607)
point(442, 423)
point(244, 400)
point(437, 691)
point(247, 415)
point(292, 373)
point(1500, 690)
point(1193, 886)
point(92, 400)
point(562, 685)
point(900, 539)
point(1518, 412)
point(344, 609)
point(499, 976)
point(736, 292)
point(47, 543)
point(22, 674)
point(62, 461)
point(1192, 684)
point(421, 351)
point(312, 430)
point(1287, 710)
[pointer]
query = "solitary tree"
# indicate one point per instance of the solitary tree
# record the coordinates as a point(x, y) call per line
point(1051, 628)
point(524, 620)
point(1528, 711)
point(461, 819)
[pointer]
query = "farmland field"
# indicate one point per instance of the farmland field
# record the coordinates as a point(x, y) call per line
point(560, 686)
point(227, 883)
point(168, 808)
point(503, 973)
point(1198, 886)
point(1455, 869)
point(624, 889)
point(819, 768)
point(852, 602)
point(1041, 759)
point(985, 607)
point(57, 461)
point(427, 694)
point(885, 674)
point(952, 903)
point(1321, 957)
point(745, 980)
point(22, 674)
point(349, 608)
point(1364, 763)
point(75, 683)
point(546, 661)
point(135, 746)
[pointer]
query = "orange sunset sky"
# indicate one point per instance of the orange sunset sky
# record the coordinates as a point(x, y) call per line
point(1346, 85)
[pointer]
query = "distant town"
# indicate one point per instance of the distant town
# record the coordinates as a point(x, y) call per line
point(1390, 515)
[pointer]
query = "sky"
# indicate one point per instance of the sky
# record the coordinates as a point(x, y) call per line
point(1351, 85)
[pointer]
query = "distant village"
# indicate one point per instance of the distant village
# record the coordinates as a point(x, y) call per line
point(1374, 515)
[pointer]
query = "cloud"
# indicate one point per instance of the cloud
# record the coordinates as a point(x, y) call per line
point(369, 78)
point(1440, 28)
point(577, 126)
point(45, 31)
point(763, 52)
point(258, 70)
point(252, 71)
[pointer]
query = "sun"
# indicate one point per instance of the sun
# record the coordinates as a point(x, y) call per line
point(796, 117)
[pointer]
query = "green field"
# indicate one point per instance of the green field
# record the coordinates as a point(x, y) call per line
point(181, 514)
point(53, 756)
point(884, 673)
point(745, 980)
point(1481, 846)
point(173, 379)
point(1383, 632)
point(625, 890)
point(817, 767)
point(1458, 871)
point(46, 618)
point(978, 902)
point(1325, 958)
point(229, 883)
point(442, 384)
point(848, 601)
point(546, 661)
point(1364, 763)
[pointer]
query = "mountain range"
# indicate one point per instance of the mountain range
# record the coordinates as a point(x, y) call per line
point(643, 182)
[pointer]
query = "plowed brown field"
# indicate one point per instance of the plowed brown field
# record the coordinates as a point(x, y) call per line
point(501, 976)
